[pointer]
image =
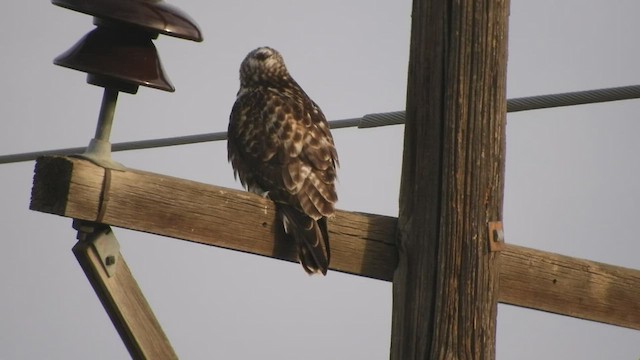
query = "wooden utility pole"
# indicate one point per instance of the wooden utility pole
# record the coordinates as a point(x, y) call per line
point(445, 289)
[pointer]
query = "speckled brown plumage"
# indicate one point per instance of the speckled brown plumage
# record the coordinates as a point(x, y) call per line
point(280, 146)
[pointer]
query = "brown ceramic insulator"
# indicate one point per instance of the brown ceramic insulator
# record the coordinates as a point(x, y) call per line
point(156, 16)
point(120, 59)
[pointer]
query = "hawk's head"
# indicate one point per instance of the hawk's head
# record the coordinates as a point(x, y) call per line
point(263, 66)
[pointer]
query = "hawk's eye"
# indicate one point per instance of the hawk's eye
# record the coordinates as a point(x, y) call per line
point(262, 55)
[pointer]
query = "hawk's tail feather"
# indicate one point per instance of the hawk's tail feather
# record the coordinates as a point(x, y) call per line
point(311, 236)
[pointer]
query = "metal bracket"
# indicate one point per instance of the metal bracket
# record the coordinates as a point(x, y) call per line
point(108, 249)
point(104, 242)
point(496, 236)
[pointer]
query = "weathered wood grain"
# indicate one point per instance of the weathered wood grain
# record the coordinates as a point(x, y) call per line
point(126, 306)
point(362, 244)
point(569, 286)
point(205, 214)
point(445, 290)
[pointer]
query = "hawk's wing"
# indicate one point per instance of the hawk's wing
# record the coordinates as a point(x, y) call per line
point(280, 143)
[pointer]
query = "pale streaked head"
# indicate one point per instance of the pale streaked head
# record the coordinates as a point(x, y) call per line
point(263, 66)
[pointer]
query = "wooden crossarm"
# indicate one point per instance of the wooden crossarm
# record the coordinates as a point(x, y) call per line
point(362, 244)
point(188, 210)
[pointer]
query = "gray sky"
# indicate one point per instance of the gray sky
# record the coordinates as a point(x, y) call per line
point(571, 181)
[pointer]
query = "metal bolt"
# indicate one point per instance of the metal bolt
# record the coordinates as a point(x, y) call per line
point(498, 235)
point(110, 260)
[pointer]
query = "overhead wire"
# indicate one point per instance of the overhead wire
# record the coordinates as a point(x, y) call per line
point(367, 121)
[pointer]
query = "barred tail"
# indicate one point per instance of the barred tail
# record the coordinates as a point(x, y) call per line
point(311, 237)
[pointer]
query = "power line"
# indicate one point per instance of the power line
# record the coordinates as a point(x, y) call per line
point(527, 103)
point(149, 144)
point(573, 98)
point(367, 121)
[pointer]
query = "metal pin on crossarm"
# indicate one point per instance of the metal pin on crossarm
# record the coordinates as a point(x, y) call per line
point(99, 149)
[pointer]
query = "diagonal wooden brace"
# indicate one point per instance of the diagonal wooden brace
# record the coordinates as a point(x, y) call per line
point(119, 293)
